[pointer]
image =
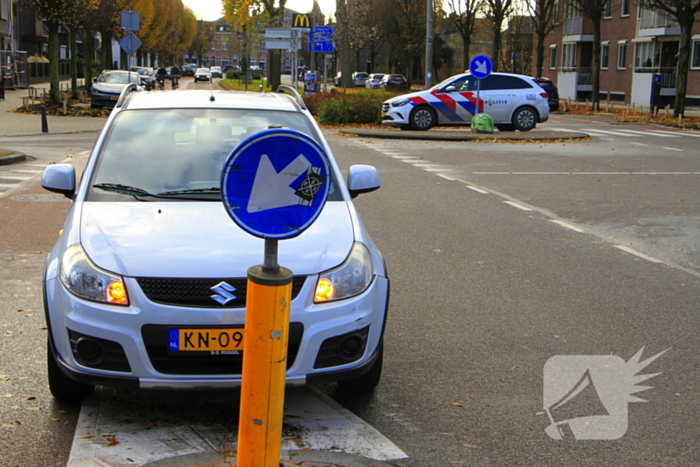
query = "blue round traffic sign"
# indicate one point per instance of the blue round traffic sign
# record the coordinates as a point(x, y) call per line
point(275, 183)
point(480, 66)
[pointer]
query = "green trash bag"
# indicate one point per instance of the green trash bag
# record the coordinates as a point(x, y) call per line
point(482, 123)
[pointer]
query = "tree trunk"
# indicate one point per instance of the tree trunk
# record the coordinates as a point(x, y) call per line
point(466, 45)
point(73, 61)
point(595, 64)
point(539, 65)
point(54, 71)
point(87, 60)
point(684, 51)
point(496, 59)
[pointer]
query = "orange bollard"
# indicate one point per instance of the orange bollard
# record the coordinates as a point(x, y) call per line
point(268, 303)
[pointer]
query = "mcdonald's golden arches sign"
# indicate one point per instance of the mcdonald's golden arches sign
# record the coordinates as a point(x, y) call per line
point(301, 21)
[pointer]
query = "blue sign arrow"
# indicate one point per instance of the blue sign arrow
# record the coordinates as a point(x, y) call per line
point(480, 66)
point(275, 183)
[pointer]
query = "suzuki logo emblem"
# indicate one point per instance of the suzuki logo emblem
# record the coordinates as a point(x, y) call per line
point(223, 293)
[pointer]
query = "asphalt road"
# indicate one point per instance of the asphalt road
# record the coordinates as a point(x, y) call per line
point(486, 289)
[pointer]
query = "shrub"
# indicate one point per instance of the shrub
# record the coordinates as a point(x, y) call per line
point(233, 74)
point(349, 106)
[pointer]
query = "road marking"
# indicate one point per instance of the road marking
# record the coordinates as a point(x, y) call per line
point(318, 422)
point(636, 253)
point(676, 133)
point(648, 133)
point(478, 190)
point(614, 133)
point(567, 225)
point(638, 144)
point(586, 173)
point(446, 177)
point(674, 149)
point(590, 132)
point(519, 206)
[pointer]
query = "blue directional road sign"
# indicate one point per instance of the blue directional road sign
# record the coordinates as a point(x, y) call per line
point(480, 66)
point(275, 183)
point(323, 35)
point(130, 43)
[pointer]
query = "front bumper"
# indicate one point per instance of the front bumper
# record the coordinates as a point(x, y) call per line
point(396, 116)
point(316, 328)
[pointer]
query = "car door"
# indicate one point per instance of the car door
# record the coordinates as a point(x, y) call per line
point(456, 101)
point(499, 97)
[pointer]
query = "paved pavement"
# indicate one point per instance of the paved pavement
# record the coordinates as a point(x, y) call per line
point(17, 124)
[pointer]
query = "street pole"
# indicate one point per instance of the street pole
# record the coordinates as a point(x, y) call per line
point(429, 47)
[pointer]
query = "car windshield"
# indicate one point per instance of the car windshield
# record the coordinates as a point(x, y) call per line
point(119, 78)
point(361, 75)
point(177, 153)
point(202, 70)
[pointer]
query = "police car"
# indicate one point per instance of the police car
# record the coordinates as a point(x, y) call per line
point(515, 102)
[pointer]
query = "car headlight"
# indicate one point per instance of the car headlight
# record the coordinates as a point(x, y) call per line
point(400, 103)
point(86, 280)
point(347, 280)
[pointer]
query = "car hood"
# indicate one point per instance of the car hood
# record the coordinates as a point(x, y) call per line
point(199, 239)
point(113, 88)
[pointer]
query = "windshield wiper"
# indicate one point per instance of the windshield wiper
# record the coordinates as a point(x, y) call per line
point(192, 191)
point(123, 189)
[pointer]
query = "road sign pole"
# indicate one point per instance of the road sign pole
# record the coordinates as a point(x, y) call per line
point(478, 91)
point(268, 301)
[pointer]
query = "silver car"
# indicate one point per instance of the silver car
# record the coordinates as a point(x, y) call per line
point(148, 251)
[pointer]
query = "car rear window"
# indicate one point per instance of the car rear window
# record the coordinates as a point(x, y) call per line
point(176, 149)
point(497, 82)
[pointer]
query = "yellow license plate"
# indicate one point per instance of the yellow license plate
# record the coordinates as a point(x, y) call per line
point(114, 98)
point(205, 340)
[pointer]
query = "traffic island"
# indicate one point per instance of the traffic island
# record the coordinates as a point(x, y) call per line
point(465, 134)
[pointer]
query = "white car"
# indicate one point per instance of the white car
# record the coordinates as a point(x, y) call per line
point(148, 251)
point(515, 102)
point(374, 80)
point(359, 78)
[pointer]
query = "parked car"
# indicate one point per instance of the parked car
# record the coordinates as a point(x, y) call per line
point(359, 78)
point(513, 101)
point(393, 83)
point(215, 72)
point(134, 269)
point(147, 75)
point(202, 74)
point(188, 69)
point(230, 67)
point(374, 80)
point(552, 92)
point(107, 87)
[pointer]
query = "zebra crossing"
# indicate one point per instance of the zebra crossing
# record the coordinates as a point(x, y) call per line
point(599, 133)
point(12, 176)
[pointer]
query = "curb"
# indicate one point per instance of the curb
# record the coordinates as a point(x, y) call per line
point(13, 158)
point(464, 135)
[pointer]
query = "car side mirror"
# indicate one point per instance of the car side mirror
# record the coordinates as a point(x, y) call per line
point(363, 179)
point(450, 89)
point(59, 178)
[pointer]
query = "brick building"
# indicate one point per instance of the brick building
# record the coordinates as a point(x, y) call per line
point(639, 54)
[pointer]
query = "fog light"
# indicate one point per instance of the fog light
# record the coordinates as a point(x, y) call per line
point(89, 351)
point(351, 347)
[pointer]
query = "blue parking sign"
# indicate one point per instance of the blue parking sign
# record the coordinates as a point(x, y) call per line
point(275, 183)
point(480, 66)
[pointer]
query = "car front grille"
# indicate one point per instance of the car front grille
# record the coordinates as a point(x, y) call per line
point(203, 293)
point(155, 338)
point(385, 107)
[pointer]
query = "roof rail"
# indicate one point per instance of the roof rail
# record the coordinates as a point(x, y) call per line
point(128, 89)
point(283, 88)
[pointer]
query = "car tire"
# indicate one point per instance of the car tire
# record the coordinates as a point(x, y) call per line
point(369, 380)
point(422, 118)
point(62, 387)
point(525, 118)
point(506, 127)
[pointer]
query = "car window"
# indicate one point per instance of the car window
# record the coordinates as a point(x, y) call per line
point(498, 82)
point(465, 83)
point(119, 78)
point(179, 149)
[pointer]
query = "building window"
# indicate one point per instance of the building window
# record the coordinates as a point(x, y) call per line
point(604, 56)
point(568, 57)
point(625, 8)
point(644, 56)
point(4, 9)
point(553, 57)
point(607, 9)
point(621, 56)
point(570, 10)
point(555, 13)
point(695, 62)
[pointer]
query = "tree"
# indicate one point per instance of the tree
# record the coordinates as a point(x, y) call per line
point(463, 15)
point(543, 21)
point(683, 11)
point(202, 41)
point(497, 11)
point(76, 14)
point(405, 30)
point(594, 10)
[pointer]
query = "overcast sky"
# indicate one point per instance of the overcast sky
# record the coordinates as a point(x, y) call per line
point(210, 10)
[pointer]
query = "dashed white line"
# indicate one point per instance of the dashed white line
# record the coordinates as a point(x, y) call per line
point(519, 206)
point(636, 253)
point(614, 133)
point(567, 225)
point(638, 144)
point(478, 190)
point(646, 133)
point(446, 177)
point(674, 149)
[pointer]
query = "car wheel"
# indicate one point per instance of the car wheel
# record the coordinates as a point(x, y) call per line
point(62, 387)
point(525, 119)
point(369, 380)
point(505, 127)
point(422, 118)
